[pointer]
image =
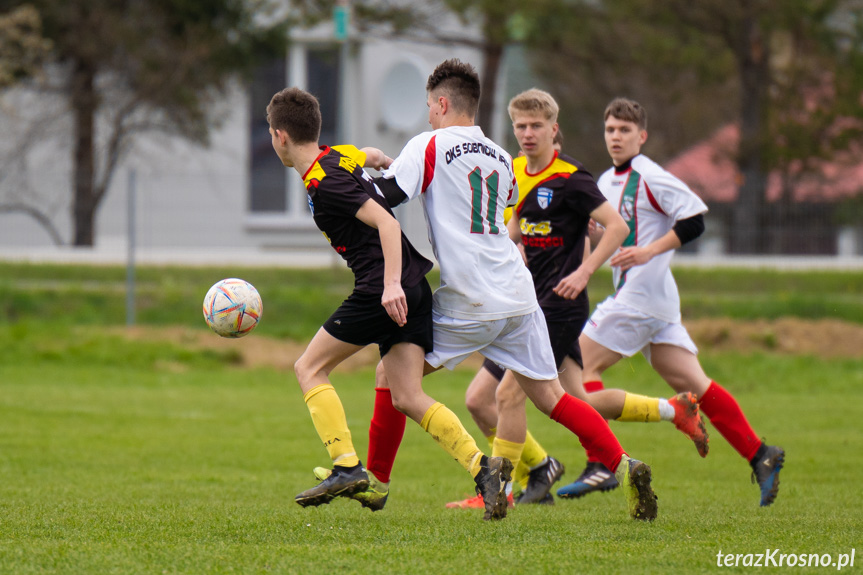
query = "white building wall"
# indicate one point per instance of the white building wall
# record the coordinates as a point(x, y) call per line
point(194, 198)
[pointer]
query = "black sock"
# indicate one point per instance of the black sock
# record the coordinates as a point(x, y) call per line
point(345, 468)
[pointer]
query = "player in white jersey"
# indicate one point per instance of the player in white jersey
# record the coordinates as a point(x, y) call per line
point(644, 312)
point(487, 302)
point(391, 305)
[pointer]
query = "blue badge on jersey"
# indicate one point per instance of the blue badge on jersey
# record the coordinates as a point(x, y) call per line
point(543, 197)
point(311, 204)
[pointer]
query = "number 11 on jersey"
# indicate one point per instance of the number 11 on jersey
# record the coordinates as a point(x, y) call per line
point(476, 187)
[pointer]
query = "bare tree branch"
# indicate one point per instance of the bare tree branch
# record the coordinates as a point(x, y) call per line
point(42, 218)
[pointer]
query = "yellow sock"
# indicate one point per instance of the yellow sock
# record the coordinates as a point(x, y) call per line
point(521, 472)
point(328, 415)
point(640, 408)
point(533, 453)
point(446, 429)
point(490, 438)
point(508, 449)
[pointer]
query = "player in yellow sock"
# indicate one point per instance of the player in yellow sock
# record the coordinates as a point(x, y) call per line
point(681, 410)
point(330, 422)
point(446, 429)
point(534, 460)
point(391, 304)
point(491, 475)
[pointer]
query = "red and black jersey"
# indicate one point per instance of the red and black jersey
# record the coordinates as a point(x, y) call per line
point(337, 187)
point(553, 212)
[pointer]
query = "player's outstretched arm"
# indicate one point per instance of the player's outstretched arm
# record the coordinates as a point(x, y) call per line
point(393, 299)
point(375, 158)
point(391, 191)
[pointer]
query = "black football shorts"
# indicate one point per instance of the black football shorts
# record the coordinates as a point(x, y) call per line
point(362, 320)
point(564, 333)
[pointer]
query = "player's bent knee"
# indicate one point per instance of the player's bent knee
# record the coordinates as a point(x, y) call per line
point(399, 404)
point(404, 403)
point(299, 368)
point(475, 402)
point(307, 370)
point(510, 397)
point(303, 370)
point(544, 394)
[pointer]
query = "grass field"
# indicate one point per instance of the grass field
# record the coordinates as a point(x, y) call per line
point(297, 301)
point(124, 456)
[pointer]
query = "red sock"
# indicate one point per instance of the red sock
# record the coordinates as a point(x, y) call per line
point(385, 435)
point(591, 386)
point(727, 417)
point(592, 430)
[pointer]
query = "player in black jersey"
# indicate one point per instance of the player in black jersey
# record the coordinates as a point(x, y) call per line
point(390, 305)
point(557, 200)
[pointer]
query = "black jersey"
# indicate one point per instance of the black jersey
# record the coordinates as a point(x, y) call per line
point(553, 212)
point(337, 187)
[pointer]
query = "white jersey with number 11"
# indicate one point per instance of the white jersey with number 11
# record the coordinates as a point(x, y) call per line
point(466, 182)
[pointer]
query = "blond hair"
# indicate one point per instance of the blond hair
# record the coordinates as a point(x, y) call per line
point(534, 101)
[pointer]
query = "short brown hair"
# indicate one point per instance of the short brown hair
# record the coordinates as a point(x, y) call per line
point(459, 82)
point(534, 101)
point(628, 111)
point(298, 113)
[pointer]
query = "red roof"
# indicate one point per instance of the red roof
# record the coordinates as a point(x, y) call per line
point(709, 169)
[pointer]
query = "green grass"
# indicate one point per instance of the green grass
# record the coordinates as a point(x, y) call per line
point(297, 301)
point(123, 457)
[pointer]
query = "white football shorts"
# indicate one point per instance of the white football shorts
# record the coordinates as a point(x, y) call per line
point(627, 331)
point(517, 343)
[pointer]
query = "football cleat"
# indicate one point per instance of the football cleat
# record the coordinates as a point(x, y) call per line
point(494, 474)
point(688, 420)
point(765, 470)
point(540, 481)
point(476, 502)
point(373, 497)
point(595, 477)
point(342, 481)
point(547, 500)
point(634, 476)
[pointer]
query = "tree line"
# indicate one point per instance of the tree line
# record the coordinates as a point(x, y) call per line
point(789, 74)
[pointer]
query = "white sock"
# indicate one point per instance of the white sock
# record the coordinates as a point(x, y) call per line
point(666, 410)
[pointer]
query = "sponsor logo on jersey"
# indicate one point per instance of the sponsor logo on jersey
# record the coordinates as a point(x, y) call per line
point(311, 205)
point(543, 242)
point(543, 197)
point(627, 208)
point(347, 164)
point(534, 228)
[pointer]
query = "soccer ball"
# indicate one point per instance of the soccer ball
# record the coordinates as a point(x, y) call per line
point(232, 307)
